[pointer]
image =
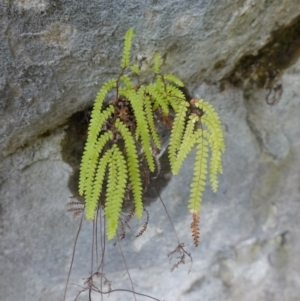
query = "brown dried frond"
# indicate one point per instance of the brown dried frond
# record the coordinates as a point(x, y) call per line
point(129, 216)
point(195, 228)
point(176, 250)
point(181, 252)
point(75, 210)
point(122, 235)
point(105, 282)
point(108, 283)
point(144, 228)
point(125, 224)
point(90, 283)
point(181, 261)
point(73, 203)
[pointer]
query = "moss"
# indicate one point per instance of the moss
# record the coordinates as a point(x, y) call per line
point(278, 54)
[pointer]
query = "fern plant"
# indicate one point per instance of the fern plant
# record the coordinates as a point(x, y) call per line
point(124, 127)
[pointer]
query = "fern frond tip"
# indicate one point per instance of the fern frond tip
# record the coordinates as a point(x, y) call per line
point(127, 48)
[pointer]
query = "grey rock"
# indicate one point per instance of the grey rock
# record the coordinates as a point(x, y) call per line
point(54, 55)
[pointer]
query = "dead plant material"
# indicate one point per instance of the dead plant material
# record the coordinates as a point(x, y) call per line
point(182, 253)
point(144, 228)
point(195, 229)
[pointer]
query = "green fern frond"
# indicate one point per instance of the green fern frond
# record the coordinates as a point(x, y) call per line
point(175, 92)
point(156, 63)
point(127, 48)
point(97, 119)
point(177, 132)
point(213, 137)
point(135, 69)
point(136, 100)
point(96, 123)
point(156, 92)
point(150, 119)
point(188, 141)
point(112, 203)
point(220, 169)
point(106, 168)
point(95, 186)
point(127, 81)
point(117, 180)
point(133, 167)
point(137, 105)
point(164, 94)
point(173, 79)
point(215, 123)
point(95, 127)
point(199, 177)
point(215, 132)
point(89, 162)
point(175, 96)
point(100, 97)
point(215, 165)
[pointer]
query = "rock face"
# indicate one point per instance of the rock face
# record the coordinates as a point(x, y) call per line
point(242, 56)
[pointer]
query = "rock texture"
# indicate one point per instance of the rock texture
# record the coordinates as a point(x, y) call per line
point(240, 55)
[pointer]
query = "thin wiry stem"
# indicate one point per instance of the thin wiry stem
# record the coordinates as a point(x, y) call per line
point(125, 263)
point(73, 255)
point(167, 214)
point(93, 243)
point(90, 294)
point(96, 237)
point(95, 289)
point(125, 290)
point(102, 234)
point(180, 246)
point(118, 83)
point(92, 259)
point(91, 286)
point(102, 244)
